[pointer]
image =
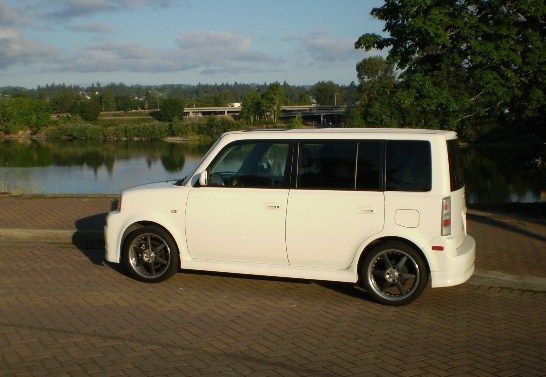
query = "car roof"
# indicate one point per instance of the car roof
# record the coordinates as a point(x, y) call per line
point(343, 132)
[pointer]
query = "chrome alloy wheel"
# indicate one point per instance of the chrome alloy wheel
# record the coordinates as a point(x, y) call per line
point(393, 275)
point(149, 255)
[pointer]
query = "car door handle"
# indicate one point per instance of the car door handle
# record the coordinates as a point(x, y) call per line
point(365, 210)
point(271, 206)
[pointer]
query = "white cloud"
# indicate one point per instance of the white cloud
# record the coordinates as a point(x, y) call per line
point(14, 47)
point(223, 52)
point(66, 9)
point(96, 28)
point(326, 50)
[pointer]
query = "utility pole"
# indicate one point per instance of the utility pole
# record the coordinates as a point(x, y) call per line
point(157, 99)
point(335, 99)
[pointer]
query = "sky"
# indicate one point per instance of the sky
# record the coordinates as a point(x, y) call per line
point(182, 41)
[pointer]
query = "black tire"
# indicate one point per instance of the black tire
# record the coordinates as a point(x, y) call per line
point(155, 266)
point(394, 273)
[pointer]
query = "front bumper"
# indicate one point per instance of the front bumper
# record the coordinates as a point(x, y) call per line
point(112, 240)
point(460, 265)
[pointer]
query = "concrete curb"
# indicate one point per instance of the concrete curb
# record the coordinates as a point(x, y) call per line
point(504, 280)
point(95, 238)
point(87, 237)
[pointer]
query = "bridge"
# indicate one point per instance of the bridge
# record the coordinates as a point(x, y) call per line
point(289, 111)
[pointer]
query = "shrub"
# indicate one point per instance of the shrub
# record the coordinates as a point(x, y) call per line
point(75, 132)
point(295, 122)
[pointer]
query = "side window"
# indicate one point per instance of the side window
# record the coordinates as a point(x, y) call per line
point(256, 164)
point(368, 176)
point(408, 165)
point(327, 165)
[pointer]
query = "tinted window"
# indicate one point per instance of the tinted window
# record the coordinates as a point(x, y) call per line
point(456, 176)
point(369, 166)
point(327, 165)
point(408, 165)
point(252, 164)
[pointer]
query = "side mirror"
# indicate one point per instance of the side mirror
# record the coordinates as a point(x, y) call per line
point(203, 178)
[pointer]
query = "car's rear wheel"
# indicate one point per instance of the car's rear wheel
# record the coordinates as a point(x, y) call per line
point(394, 273)
point(150, 254)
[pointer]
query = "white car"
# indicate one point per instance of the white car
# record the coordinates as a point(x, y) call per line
point(381, 207)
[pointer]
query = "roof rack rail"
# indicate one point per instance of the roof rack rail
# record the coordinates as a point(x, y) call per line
point(264, 129)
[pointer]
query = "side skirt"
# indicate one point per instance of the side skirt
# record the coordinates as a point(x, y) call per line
point(347, 276)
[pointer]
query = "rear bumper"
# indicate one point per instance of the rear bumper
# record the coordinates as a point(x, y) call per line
point(459, 265)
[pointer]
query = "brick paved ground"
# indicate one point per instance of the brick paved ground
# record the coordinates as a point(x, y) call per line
point(507, 244)
point(64, 312)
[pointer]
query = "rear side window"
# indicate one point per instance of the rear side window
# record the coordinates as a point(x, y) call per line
point(327, 165)
point(456, 177)
point(408, 165)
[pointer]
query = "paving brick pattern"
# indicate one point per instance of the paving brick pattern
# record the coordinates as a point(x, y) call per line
point(63, 311)
point(56, 212)
point(507, 244)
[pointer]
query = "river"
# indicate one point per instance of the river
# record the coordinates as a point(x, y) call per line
point(493, 174)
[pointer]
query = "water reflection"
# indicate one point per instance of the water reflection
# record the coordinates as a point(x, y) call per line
point(493, 174)
point(91, 167)
point(505, 174)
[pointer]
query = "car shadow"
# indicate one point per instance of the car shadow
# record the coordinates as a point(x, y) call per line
point(504, 225)
point(347, 289)
point(89, 237)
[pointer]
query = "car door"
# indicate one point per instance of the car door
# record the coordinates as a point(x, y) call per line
point(240, 215)
point(337, 202)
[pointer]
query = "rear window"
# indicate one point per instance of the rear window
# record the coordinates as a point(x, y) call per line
point(456, 177)
point(408, 165)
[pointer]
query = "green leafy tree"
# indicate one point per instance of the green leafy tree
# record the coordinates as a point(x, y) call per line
point(303, 99)
point(252, 109)
point(108, 101)
point(65, 101)
point(89, 109)
point(353, 119)
point(295, 122)
point(463, 62)
point(327, 93)
point(22, 113)
point(273, 100)
point(170, 108)
point(378, 105)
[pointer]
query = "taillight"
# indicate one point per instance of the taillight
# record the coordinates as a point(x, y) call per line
point(119, 203)
point(446, 216)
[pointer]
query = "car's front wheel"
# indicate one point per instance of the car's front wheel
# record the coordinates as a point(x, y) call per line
point(394, 273)
point(150, 254)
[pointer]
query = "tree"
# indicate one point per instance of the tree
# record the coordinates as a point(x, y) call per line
point(170, 108)
point(252, 109)
point(89, 109)
point(353, 119)
point(377, 101)
point(326, 93)
point(466, 61)
point(304, 99)
point(108, 101)
point(272, 100)
point(65, 101)
point(295, 122)
point(20, 113)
